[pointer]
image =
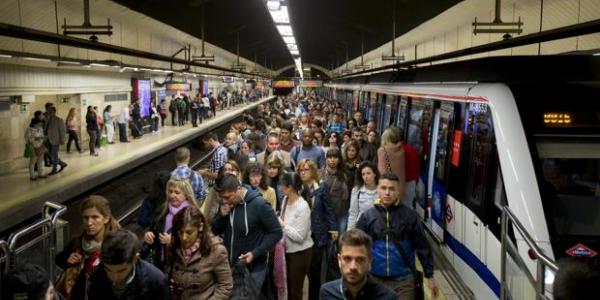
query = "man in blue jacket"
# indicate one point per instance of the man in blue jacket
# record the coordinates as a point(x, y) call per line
point(390, 224)
point(122, 274)
point(247, 223)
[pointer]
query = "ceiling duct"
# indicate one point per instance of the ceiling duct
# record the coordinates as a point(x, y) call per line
point(497, 26)
point(87, 28)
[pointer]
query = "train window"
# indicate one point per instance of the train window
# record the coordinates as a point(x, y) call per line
point(571, 183)
point(402, 114)
point(480, 132)
point(445, 126)
point(419, 125)
point(381, 107)
point(391, 106)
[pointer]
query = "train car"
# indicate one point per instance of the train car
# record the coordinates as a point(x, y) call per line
point(522, 132)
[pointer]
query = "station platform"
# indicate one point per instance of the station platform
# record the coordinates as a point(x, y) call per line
point(23, 199)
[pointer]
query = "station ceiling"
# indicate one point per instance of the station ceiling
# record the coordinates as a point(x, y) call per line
point(323, 28)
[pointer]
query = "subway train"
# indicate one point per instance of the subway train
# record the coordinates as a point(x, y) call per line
point(522, 132)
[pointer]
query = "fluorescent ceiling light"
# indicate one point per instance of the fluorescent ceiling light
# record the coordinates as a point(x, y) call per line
point(98, 65)
point(5, 55)
point(69, 62)
point(273, 4)
point(292, 46)
point(285, 30)
point(280, 16)
point(295, 52)
point(36, 58)
point(289, 39)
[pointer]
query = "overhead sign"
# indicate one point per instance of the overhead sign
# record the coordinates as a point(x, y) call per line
point(178, 86)
point(311, 83)
point(581, 250)
point(283, 84)
point(228, 79)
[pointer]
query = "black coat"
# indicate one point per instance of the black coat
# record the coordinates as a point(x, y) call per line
point(148, 283)
point(322, 216)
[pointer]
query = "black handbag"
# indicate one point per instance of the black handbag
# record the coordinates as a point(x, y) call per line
point(417, 275)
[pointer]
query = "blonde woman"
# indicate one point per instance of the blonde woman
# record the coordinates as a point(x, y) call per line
point(180, 194)
point(390, 156)
point(323, 221)
point(72, 124)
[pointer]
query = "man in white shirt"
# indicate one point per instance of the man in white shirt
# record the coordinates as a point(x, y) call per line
point(122, 121)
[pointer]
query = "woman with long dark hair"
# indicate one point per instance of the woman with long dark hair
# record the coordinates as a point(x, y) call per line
point(295, 221)
point(364, 192)
point(198, 267)
point(256, 176)
point(83, 252)
point(334, 175)
point(92, 128)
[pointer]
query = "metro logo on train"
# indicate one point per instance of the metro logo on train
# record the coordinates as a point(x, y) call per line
point(581, 250)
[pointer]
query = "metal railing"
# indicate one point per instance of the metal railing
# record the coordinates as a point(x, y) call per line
point(509, 250)
point(47, 224)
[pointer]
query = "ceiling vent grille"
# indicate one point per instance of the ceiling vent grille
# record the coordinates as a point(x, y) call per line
point(115, 97)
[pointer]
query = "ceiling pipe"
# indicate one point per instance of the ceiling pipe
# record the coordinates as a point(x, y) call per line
point(52, 38)
point(533, 38)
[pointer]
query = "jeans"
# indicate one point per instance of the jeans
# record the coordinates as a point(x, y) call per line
point(316, 274)
point(110, 132)
point(154, 124)
point(93, 136)
point(259, 277)
point(98, 137)
point(122, 132)
point(73, 137)
point(342, 224)
point(162, 120)
point(195, 117)
point(36, 162)
point(54, 155)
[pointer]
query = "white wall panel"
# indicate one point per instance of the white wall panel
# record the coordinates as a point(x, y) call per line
point(458, 19)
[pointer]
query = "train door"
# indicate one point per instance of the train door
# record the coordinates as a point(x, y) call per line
point(419, 136)
point(443, 123)
point(383, 112)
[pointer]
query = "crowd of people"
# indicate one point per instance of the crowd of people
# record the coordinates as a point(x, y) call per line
point(47, 131)
point(299, 191)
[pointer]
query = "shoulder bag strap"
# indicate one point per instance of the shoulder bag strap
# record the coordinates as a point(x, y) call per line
point(392, 236)
point(387, 161)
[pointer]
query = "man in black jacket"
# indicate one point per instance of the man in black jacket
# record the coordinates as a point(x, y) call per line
point(121, 274)
point(248, 225)
point(355, 260)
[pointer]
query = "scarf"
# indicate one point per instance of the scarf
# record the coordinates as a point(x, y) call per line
point(91, 251)
point(187, 253)
point(173, 210)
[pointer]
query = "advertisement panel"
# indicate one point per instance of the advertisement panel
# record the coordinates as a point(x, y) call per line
point(142, 89)
point(311, 83)
point(283, 84)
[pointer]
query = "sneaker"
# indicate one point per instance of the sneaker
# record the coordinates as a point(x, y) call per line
point(52, 173)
